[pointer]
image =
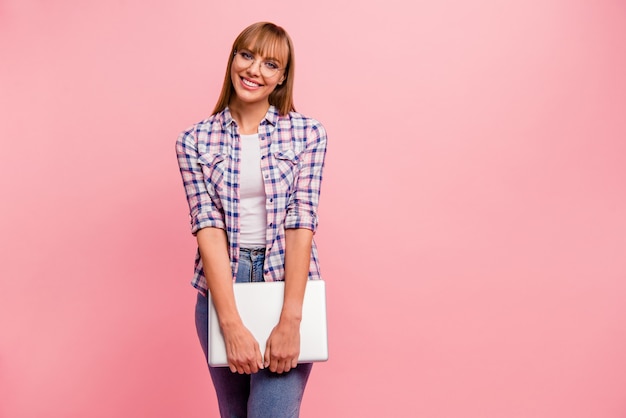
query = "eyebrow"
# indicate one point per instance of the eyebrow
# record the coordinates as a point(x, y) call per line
point(257, 53)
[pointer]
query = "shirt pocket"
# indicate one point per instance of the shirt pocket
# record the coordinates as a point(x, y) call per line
point(213, 170)
point(285, 169)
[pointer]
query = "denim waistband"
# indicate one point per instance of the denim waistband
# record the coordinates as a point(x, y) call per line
point(252, 251)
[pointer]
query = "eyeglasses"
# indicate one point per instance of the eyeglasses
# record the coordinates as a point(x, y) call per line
point(245, 59)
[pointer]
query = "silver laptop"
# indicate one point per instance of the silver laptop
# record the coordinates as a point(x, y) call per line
point(259, 305)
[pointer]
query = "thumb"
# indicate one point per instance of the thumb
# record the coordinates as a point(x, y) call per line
point(267, 355)
point(259, 358)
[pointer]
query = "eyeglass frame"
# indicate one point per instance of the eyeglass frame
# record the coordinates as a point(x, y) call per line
point(254, 59)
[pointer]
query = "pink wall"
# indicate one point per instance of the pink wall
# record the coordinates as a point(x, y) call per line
point(472, 234)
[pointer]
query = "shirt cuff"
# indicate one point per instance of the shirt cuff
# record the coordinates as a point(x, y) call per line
point(205, 220)
point(295, 221)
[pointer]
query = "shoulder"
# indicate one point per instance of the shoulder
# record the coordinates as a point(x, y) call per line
point(300, 123)
point(202, 129)
point(298, 119)
point(206, 125)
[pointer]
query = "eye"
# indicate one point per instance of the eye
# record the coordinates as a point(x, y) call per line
point(271, 65)
point(246, 55)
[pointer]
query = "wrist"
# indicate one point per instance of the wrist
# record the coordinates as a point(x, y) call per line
point(292, 318)
point(230, 323)
point(291, 311)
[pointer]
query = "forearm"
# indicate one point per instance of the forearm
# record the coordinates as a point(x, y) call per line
point(213, 245)
point(297, 261)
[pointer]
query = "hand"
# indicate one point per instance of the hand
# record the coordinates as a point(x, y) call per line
point(283, 347)
point(242, 350)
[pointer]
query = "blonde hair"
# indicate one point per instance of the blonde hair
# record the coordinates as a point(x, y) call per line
point(269, 40)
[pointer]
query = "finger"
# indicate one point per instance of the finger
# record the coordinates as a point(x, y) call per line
point(235, 367)
point(274, 361)
point(273, 364)
point(286, 366)
point(280, 366)
point(254, 366)
point(259, 359)
point(267, 357)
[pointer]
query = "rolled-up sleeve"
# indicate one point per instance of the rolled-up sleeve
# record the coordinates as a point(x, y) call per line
point(302, 207)
point(204, 208)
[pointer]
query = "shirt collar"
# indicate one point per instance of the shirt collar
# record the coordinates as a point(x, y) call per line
point(271, 116)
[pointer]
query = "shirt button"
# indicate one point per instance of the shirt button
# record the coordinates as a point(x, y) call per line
point(267, 176)
point(263, 157)
point(271, 224)
point(271, 200)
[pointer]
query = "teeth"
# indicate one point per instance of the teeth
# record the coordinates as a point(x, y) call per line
point(250, 83)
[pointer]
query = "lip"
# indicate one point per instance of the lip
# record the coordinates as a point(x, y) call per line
point(249, 87)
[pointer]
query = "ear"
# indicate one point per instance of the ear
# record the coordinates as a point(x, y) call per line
point(282, 80)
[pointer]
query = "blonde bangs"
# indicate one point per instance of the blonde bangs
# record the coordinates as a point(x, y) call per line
point(266, 43)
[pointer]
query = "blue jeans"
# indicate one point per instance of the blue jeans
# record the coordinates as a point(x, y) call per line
point(259, 395)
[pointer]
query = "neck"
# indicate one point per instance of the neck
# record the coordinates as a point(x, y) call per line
point(248, 115)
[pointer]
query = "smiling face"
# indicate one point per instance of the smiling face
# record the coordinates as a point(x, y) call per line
point(249, 77)
point(257, 70)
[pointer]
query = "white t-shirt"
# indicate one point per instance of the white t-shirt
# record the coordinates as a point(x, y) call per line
point(253, 215)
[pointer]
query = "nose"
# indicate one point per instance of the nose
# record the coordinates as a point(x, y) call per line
point(255, 67)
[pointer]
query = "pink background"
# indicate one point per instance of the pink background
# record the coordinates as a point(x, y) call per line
point(473, 228)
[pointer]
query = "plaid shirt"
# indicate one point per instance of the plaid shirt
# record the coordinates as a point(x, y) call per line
point(292, 157)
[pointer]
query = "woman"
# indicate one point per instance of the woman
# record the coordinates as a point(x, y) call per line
point(252, 173)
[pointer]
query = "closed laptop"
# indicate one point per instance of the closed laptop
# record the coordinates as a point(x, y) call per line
point(259, 305)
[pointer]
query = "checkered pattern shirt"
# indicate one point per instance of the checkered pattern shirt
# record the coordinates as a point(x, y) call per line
point(293, 148)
